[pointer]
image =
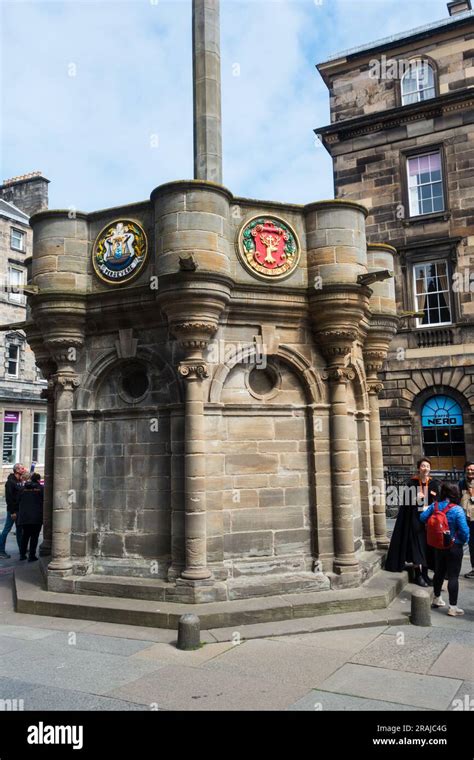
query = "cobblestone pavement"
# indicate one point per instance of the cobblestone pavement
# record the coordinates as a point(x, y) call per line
point(58, 664)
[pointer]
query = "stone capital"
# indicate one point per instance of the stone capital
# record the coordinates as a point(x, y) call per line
point(338, 374)
point(374, 387)
point(336, 343)
point(193, 370)
point(195, 334)
point(64, 381)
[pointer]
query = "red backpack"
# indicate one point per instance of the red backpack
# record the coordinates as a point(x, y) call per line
point(436, 526)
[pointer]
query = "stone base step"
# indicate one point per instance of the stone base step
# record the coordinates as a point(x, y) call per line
point(31, 597)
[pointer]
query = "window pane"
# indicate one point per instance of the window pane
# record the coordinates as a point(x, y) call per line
point(10, 437)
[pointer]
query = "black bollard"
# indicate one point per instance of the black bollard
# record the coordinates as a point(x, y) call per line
point(189, 632)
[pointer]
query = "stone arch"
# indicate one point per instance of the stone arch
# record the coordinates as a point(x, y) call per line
point(311, 381)
point(107, 362)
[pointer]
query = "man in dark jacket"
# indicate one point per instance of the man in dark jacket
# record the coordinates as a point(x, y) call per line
point(30, 516)
point(13, 487)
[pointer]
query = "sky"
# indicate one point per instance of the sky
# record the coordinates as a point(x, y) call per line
point(97, 94)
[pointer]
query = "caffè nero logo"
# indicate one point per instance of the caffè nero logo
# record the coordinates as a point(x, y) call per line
point(120, 251)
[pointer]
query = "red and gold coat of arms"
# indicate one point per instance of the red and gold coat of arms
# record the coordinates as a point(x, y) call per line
point(268, 247)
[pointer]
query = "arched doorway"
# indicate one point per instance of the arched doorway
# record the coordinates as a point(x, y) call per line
point(443, 433)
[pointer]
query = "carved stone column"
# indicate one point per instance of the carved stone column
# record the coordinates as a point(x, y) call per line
point(46, 546)
point(65, 383)
point(194, 337)
point(345, 559)
point(378, 338)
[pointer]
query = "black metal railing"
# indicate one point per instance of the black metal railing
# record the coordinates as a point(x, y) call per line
point(398, 477)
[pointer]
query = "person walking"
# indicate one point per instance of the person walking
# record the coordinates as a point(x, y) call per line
point(408, 543)
point(13, 487)
point(466, 489)
point(448, 560)
point(30, 516)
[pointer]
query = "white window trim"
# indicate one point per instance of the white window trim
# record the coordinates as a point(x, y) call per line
point(8, 374)
point(419, 89)
point(23, 237)
point(16, 298)
point(16, 458)
point(414, 215)
point(418, 321)
point(39, 462)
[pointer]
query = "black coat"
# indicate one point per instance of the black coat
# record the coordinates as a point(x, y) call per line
point(31, 505)
point(408, 542)
point(13, 489)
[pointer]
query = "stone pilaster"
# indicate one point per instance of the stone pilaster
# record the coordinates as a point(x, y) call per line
point(345, 560)
point(46, 546)
point(193, 337)
point(65, 383)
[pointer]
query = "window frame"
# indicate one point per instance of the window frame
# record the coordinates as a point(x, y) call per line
point(17, 433)
point(415, 153)
point(35, 433)
point(439, 260)
point(432, 65)
point(23, 238)
point(16, 298)
point(8, 374)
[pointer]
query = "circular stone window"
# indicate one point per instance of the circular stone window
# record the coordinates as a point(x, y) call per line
point(135, 382)
point(263, 382)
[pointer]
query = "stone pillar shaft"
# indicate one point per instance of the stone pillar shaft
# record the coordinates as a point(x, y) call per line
point(207, 91)
point(195, 478)
point(376, 458)
point(63, 496)
point(345, 559)
point(45, 548)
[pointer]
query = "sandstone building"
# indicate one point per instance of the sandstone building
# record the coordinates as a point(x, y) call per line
point(22, 409)
point(402, 142)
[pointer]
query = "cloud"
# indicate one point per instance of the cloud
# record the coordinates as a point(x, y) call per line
point(98, 95)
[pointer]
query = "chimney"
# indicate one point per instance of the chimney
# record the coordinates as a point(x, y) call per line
point(459, 6)
point(28, 192)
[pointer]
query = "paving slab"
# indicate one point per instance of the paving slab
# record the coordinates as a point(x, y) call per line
point(45, 621)
point(414, 655)
point(178, 687)
point(169, 654)
point(410, 631)
point(91, 672)
point(324, 700)
point(280, 661)
point(15, 688)
point(348, 641)
point(59, 640)
point(464, 697)
point(432, 692)
point(47, 698)
point(453, 636)
point(7, 644)
point(456, 661)
point(25, 633)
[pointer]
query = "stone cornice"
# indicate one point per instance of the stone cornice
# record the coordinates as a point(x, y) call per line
point(396, 117)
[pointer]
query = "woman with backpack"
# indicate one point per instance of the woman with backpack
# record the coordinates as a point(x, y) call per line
point(447, 532)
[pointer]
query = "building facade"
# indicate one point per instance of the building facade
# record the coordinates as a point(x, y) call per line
point(22, 408)
point(402, 142)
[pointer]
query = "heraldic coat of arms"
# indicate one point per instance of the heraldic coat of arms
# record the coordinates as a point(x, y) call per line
point(268, 247)
point(120, 251)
